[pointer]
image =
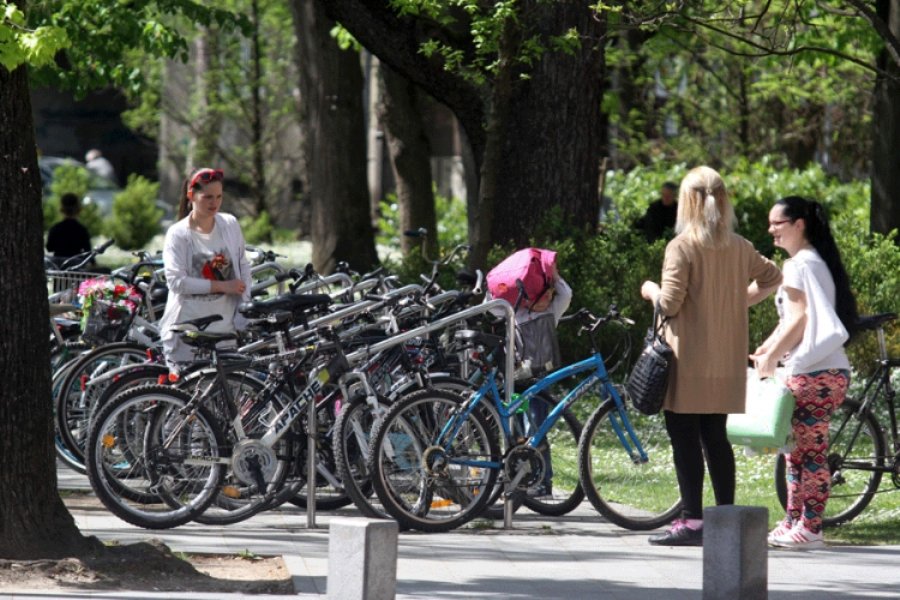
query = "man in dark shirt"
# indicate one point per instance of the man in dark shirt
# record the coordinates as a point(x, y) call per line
point(68, 237)
point(660, 215)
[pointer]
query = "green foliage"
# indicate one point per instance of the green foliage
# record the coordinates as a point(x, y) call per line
point(474, 39)
point(97, 34)
point(451, 221)
point(606, 271)
point(20, 44)
point(260, 230)
point(135, 218)
point(91, 218)
point(716, 80)
point(248, 93)
point(753, 187)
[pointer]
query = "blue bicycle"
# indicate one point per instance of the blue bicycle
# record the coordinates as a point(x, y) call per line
point(436, 458)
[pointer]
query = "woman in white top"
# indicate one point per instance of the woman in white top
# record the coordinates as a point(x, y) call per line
point(205, 263)
point(817, 314)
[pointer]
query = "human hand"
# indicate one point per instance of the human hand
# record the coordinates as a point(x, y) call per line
point(765, 364)
point(234, 287)
point(650, 291)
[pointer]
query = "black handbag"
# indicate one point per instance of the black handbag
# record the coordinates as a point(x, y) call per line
point(649, 379)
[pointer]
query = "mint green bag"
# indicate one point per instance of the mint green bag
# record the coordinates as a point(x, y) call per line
point(766, 424)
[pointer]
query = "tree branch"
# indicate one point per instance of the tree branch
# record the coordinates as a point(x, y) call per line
point(769, 51)
point(892, 44)
point(396, 41)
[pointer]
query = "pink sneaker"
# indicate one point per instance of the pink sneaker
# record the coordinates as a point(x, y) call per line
point(801, 538)
point(783, 529)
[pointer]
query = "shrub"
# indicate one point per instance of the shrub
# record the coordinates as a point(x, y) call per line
point(452, 226)
point(258, 230)
point(135, 217)
point(610, 266)
point(261, 230)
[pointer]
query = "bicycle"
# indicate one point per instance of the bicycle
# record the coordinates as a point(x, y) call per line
point(435, 458)
point(858, 453)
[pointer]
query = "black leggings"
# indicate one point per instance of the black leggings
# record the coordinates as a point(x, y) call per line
point(693, 436)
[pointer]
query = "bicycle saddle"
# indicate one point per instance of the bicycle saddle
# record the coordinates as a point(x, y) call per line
point(202, 339)
point(287, 303)
point(871, 322)
point(196, 324)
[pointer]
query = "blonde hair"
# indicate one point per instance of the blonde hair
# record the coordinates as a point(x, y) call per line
point(705, 215)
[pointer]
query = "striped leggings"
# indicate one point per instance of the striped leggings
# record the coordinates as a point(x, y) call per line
point(818, 395)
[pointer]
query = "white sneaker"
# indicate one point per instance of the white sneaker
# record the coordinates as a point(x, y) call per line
point(783, 529)
point(800, 537)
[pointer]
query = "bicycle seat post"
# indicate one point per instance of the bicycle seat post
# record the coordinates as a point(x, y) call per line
point(882, 345)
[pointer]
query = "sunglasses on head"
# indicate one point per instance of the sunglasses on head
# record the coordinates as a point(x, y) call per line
point(205, 176)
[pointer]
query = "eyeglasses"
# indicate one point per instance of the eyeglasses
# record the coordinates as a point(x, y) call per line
point(781, 222)
point(205, 176)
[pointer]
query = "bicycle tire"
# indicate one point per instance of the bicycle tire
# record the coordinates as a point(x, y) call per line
point(562, 490)
point(425, 487)
point(62, 358)
point(74, 405)
point(852, 489)
point(238, 500)
point(352, 432)
point(124, 447)
point(635, 495)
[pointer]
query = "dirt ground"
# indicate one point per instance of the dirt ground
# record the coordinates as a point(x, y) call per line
point(151, 567)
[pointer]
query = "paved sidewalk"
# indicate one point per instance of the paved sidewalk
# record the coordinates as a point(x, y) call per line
point(578, 556)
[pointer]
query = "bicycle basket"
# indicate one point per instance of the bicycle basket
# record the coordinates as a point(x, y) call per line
point(106, 323)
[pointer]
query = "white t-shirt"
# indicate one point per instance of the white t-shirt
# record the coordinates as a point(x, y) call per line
point(803, 271)
point(211, 260)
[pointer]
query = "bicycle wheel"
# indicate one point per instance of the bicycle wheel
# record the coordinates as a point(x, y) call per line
point(430, 486)
point(629, 492)
point(255, 472)
point(853, 459)
point(76, 400)
point(351, 446)
point(560, 491)
point(143, 442)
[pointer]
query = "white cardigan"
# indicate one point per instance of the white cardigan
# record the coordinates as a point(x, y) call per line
point(177, 253)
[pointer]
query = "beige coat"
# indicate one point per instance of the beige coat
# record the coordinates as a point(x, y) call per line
point(704, 291)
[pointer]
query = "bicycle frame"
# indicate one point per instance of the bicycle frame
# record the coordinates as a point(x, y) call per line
point(596, 369)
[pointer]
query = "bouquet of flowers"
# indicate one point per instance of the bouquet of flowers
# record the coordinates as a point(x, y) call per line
point(107, 308)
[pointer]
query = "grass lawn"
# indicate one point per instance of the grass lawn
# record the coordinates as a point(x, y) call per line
point(879, 523)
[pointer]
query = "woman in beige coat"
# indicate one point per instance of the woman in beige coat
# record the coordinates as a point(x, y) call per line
point(710, 276)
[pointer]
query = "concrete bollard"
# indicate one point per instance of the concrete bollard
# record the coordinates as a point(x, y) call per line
point(362, 559)
point(735, 556)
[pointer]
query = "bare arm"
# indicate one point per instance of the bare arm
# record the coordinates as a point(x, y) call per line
point(756, 294)
point(786, 337)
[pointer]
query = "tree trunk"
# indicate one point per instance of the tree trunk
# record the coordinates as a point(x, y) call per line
point(204, 141)
point(548, 128)
point(410, 158)
point(331, 87)
point(551, 151)
point(257, 127)
point(34, 523)
point(885, 209)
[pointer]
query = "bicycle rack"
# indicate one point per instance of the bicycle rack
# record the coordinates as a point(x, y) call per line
point(491, 306)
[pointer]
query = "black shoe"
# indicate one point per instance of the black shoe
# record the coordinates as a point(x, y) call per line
point(678, 535)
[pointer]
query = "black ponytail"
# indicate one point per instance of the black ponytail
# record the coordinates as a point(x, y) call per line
point(818, 234)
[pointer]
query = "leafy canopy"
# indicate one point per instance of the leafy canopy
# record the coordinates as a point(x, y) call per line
point(80, 44)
